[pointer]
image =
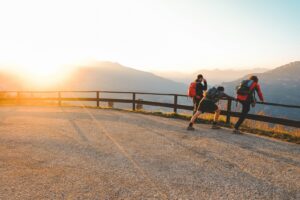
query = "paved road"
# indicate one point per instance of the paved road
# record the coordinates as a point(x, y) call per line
point(77, 153)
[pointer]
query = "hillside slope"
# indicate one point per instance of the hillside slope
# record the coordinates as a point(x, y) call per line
point(113, 76)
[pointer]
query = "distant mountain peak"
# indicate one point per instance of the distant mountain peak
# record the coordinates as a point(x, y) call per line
point(114, 76)
point(291, 69)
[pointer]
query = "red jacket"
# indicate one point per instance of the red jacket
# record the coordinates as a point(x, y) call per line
point(254, 86)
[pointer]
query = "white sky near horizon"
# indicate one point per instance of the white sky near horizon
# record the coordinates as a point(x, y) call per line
point(178, 35)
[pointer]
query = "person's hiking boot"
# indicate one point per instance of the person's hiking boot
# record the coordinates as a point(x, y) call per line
point(190, 128)
point(215, 126)
point(236, 131)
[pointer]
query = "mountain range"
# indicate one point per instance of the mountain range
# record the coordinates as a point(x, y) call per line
point(113, 76)
point(214, 77)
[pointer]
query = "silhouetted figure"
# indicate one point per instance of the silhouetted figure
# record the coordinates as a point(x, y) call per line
point(246, 96)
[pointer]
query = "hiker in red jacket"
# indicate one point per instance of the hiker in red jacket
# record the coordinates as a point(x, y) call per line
point(200, 88)
point(246, 96)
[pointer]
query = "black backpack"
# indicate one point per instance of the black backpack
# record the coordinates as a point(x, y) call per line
point(212, 94)
point(244, 87)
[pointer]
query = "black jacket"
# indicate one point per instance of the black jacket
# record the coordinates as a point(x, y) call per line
point(200, 88)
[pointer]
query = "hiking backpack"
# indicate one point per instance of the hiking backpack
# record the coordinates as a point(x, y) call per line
point(192, 89)
point(212, 94)
point(244, 87)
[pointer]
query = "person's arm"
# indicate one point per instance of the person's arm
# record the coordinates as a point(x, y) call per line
point(258, 90)
point(205, 85)
point(226, 96)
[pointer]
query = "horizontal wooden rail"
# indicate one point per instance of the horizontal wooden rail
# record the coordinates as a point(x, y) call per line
point(134, 101)
point(262, 118)
point(137, 93)
point(88, 91)
point(278, 105)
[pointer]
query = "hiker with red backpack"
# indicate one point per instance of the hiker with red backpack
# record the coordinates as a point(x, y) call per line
point(196, 90)
point(208, 104)
point(246, 96)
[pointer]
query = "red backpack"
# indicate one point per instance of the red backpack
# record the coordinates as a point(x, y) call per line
point(192, 89)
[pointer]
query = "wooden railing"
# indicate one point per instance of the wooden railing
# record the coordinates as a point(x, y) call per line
point(19, 96)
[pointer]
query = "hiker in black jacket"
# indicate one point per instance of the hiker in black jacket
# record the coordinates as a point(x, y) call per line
point(200, 89)
point(208, 104)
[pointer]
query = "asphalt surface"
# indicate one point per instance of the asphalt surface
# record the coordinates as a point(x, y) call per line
point(79, 153)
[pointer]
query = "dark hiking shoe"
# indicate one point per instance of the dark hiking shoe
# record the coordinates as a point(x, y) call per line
point(190, 128)
point(236, 131)
point(215, 126)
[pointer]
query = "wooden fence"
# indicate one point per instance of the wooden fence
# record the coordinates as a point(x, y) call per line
point(59, 97)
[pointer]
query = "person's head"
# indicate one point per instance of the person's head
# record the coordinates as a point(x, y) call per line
point(220, 88)
point(254, 78)
point(199, 77)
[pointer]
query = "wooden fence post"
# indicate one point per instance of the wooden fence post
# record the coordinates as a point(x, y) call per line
point(175, 103)
point(59, 98)
point(228, 111)
point(133, 101)
point(98, 98)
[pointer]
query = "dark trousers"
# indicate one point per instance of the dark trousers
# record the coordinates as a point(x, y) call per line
point(245, 110)
point(196, 103)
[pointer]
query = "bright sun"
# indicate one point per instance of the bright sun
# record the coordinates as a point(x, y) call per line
point(41, 74)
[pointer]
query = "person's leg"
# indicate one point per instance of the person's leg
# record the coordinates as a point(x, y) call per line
point(196, 115)
point(212, 107)
point(196, 104)
point(217, 115)
point(245, 110)
point(216, 119)
point(193, 119)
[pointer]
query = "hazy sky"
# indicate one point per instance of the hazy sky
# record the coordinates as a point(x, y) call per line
point(150, 34)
